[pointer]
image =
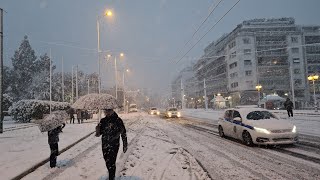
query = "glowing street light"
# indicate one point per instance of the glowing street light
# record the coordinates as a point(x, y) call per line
point(314, 78)
point(107, 13)
point(258, 87)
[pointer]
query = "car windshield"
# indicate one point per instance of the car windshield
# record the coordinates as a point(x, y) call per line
point(153, 108)
point(258, 115)
point(173, 109)
point(133, 106)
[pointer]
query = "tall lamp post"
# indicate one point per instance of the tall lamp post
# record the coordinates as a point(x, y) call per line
point(115, 72)
point(314, 78)
point(107, 13)
point(124, 95)
point(258, 87)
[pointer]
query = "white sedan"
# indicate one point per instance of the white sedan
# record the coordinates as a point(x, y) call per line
point(256, 126)
point(154, 111)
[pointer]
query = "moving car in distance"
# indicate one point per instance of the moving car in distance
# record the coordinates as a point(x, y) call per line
point(133, 108)
point(154, 111)
point(172, 112)
point(256, 126)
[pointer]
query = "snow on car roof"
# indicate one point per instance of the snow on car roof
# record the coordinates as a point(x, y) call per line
point(244, 111)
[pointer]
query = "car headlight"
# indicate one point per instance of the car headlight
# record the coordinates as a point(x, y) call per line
point(178, 114)
point(169, 113)
point(261, 130)
point(294, 129)
point(158, 112)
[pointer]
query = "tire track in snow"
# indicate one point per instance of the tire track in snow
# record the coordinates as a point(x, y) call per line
point(268, 159)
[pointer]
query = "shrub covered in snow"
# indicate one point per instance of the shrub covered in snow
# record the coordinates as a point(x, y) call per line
point(25, 110)
point(7, 102)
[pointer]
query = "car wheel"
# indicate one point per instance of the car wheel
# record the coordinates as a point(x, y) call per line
point(247, 140)
point(221, 133)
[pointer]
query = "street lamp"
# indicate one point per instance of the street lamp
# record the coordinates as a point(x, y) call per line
point(124, 95)
point(258, 87)
point(115, 72)
point(107, 13)
point(313, 78)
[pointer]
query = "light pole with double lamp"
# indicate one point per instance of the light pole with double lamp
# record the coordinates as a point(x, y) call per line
point(314, 78)
point(115, 72)
point(258, 87)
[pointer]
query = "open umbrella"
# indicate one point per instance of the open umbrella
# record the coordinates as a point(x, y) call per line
point(96, 101)
point(52, 121)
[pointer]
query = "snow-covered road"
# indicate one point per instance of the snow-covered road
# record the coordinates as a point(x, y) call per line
point(174, 149)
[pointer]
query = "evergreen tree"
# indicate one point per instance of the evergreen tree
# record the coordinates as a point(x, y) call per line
point(40, 86)
point(23, 70)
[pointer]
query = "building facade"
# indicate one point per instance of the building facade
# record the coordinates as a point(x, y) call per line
point(274, 53)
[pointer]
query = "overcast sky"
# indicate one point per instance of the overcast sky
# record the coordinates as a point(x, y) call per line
point(149, 32)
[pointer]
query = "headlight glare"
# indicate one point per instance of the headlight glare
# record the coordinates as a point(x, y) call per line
point(294, 129)
point(262, 130)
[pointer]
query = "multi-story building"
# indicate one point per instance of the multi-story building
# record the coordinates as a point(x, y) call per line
point(275, 53)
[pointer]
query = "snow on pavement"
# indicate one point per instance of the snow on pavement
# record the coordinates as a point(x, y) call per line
point(23, 148)
point(306, 124)
point(151, 155)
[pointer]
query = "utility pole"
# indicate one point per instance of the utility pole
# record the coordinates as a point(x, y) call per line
point(77, 93)
point(292, 85)
point(88, 85)
point(124, 95)
point(1, 70)
point(62, 83)
point(115, 75)
point(205, 94)
point(99, 78)
point(182, 94)
point(72, 87)
point(50, 81)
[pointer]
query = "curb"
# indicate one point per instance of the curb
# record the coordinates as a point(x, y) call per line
point(36, 166)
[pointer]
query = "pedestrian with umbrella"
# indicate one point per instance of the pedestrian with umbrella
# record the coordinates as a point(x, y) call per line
point(110, 127)
point(53, 123)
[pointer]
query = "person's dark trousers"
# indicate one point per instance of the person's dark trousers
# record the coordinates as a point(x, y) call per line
point(110, 152)
point(290, 112)
point(54, 153)
point(72, 119)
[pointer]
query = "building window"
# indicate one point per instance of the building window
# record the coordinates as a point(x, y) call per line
point(296, 71)
point(247, 51)
point(234, 85)
point(296, 60)
point(297, 82)
point(246, 41)
point(233, 65)
point(294, 39)
point(232, 44)
point(233, 75)
point(249, 84)
point(233, 55)
point(248, 73)
point(295, 50)
point(247, 62)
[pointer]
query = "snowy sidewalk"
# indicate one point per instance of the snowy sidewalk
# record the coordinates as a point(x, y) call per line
point(23, 148)
point(151, 155)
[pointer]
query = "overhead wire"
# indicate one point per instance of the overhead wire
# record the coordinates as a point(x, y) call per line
point(207, 31)
point(198, 28)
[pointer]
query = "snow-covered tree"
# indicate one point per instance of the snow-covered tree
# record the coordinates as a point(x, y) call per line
point(40, 86)
point(23, 70)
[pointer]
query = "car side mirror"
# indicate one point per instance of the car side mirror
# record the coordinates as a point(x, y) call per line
point(237, 119)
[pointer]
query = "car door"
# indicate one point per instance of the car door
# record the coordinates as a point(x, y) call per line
point(227, 123)
point(237, 127)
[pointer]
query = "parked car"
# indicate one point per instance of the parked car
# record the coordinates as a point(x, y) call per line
point(172, 112)
point(133, 108)
point(154, 111)
point(256, 126)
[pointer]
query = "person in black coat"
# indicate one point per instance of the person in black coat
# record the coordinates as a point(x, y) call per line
point(289, 106)
point(53, 139)
point(111, 127)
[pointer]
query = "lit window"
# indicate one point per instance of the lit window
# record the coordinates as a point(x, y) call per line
point(296, 60)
